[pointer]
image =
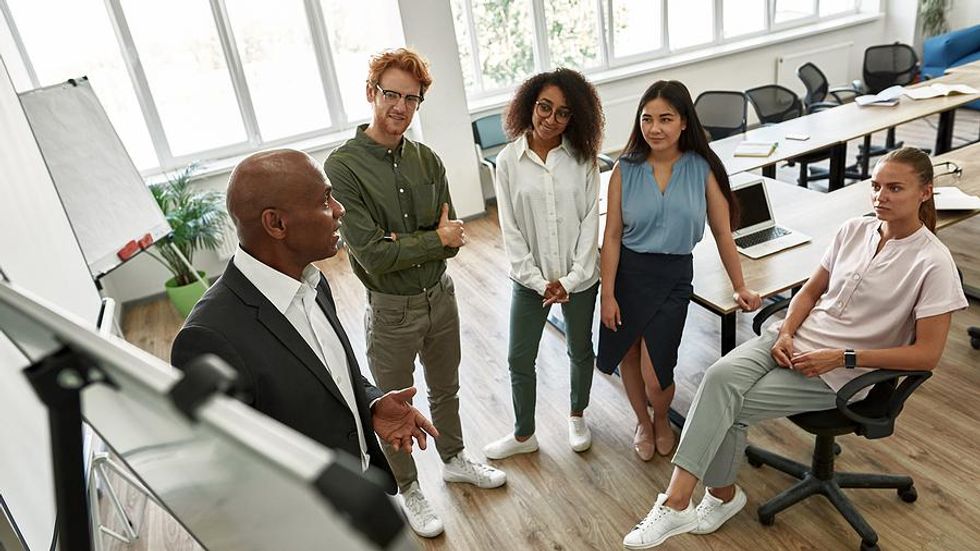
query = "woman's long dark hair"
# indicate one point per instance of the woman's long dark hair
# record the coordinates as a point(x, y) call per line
point(693, 138)
point(584, 130)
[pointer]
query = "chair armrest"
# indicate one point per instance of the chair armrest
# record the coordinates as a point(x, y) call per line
point(820, 106)
point(766, 313)
point(605, 162)
point(842, 91)
point(883, 425)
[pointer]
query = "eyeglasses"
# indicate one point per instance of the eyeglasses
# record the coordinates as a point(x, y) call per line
point(390, 96)
point(950, 168)
point(544, 109)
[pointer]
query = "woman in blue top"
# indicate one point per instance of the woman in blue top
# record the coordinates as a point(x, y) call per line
point(666, 183)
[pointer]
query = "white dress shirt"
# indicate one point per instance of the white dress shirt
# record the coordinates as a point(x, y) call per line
point(549, 216)
point(296, 300)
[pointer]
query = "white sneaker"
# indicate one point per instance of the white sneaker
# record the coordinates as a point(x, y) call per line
point(420, 515)
point(579, 435)
point(661, 523)
point(713, 512)
point(463, 469)
point(508, 446)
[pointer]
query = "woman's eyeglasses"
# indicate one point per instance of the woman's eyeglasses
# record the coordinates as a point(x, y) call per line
point(544, 109)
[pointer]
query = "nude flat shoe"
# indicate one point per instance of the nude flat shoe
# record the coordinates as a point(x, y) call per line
point(665, 443)
point(643, 443)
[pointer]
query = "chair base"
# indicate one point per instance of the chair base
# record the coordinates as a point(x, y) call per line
point(820, 478)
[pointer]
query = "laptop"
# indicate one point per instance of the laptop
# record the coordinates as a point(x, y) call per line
point(758, 234)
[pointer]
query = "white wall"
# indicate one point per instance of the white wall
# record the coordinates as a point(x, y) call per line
point(964, 13)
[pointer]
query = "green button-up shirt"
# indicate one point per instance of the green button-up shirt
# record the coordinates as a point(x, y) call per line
point(397, 190)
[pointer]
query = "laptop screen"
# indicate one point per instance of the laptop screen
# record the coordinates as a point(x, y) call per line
point(753, 205)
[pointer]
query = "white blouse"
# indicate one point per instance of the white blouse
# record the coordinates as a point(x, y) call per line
point(549, 216)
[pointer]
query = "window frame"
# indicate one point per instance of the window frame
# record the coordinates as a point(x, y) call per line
point(606, 34)
point(166, 160)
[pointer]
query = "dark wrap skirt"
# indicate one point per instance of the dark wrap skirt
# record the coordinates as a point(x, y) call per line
point(653, 291)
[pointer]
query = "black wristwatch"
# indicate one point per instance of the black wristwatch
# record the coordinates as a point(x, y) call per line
point(850, 359)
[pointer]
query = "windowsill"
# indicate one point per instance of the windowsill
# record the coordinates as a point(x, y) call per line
point(495, 102)
point(224, 165)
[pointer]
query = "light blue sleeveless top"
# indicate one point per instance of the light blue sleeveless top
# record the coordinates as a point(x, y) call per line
point(671, 222)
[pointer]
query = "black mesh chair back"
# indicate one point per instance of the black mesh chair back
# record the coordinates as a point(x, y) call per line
point(722, 113)
point(815, 82)
point(774, 103)
point(888, 65)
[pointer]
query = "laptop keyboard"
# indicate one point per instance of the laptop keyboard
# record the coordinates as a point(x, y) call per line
point(767, 234)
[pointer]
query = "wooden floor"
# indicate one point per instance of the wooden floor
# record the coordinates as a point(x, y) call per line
point(557, 499)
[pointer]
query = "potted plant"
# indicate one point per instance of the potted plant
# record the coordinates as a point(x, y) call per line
point(198, 219)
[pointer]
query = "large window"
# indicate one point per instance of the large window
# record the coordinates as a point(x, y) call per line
point(501, 42)
point(189, 80)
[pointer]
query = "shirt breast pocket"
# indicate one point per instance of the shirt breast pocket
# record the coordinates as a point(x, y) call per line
point(425, 200)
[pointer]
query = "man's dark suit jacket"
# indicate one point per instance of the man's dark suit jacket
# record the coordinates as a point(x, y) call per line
point(279, 373)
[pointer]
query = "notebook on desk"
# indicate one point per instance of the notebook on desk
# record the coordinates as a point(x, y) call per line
point(758, 234)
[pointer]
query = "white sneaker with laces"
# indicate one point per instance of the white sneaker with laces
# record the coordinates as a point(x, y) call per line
point(508, 446)
point(579, 435)
point(420, 515)
point(713, 512)
point(463, 469)
point(661, 523)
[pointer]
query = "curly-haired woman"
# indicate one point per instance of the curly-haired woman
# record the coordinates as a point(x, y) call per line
point(547, 199)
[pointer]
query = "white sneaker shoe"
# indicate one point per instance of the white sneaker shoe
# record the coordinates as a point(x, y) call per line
point(420, 515)
point(579, 435)
point(713, 512)
point(661, 523)
point(463, 469)
point(508, 446)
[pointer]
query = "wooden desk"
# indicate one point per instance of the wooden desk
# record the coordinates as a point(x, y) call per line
point(969, 67)
point(833, 128)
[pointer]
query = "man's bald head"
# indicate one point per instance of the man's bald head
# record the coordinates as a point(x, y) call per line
point(268, 179)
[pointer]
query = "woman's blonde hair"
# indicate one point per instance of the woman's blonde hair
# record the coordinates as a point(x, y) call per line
point(921, 164)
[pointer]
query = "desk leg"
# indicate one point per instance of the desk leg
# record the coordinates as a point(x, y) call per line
point(838, 154)
point(944, 135)
point(769, 171)
point(727, 333)
point(866, 159)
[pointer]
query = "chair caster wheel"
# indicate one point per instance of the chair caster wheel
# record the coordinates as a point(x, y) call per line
point(908, 495)
point(755, 462)
point(865, 546)
point(767, 520)
point(837, 449)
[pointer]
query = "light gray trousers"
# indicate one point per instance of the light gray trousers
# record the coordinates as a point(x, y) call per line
point(742, 388)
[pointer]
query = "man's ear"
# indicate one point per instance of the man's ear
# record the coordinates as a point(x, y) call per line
point(274, 223)
point(369, 91)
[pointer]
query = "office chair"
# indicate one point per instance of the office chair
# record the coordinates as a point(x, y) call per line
point(885, 65)
point(818, 89)
point(488, 133)
point(872, 418)
point(722, 113)
point(774, 104)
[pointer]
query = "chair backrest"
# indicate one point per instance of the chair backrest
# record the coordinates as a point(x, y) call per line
point(889, 64)
point(488, 131)
point(815, 82)
point(722, 113)
point(774, 103)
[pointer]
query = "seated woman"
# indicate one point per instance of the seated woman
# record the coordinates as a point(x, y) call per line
point(882, 297)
